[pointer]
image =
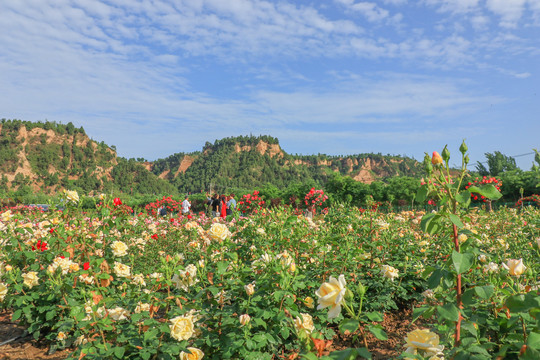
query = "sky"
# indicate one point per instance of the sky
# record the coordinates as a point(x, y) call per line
point(336, 77)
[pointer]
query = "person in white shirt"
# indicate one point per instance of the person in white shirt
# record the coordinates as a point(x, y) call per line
point(186, 205)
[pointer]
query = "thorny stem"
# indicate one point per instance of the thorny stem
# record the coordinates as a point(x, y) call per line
point(458, 292)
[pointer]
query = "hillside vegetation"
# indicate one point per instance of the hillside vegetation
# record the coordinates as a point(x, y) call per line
point(50, 156)
point(47, 157)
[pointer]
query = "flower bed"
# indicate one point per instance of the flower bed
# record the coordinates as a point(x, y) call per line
point(113, 285)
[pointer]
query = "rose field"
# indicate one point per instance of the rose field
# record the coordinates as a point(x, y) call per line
point(270, 283)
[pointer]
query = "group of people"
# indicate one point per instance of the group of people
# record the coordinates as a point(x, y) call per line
point(221, 205)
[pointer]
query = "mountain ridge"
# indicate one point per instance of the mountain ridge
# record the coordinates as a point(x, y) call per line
point(50, 156)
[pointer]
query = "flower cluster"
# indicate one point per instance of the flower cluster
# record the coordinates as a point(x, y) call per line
point(251, 203)
point(167, 202)
point(533, 198)
point(40, 245)
point(315, 198)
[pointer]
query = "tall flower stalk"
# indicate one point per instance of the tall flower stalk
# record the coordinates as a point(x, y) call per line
point(445, 186)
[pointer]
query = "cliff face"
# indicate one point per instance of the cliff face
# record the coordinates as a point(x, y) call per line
point(44, 158)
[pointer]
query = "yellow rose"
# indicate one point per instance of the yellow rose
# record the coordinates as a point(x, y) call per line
point(245, 319)
point(194, 354)
point(390, 272)
point(181, 328)
point(250, 289)
point(119, 248)
point(218, 231)
point(3, 291)
point(309, 302)
point(304, 323)
point(30, 279)
point(6, 216)
point(72, 195)
point(515, 267)
point(122, 270)
point(118, 314)
point(61, 336)
point(331, 295)
point(424, 340)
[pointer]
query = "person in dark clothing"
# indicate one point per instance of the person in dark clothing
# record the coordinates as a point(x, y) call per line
point(214, 203)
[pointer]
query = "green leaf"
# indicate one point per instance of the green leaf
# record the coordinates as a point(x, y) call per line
point(349, 325)
point(378, 331)
point(484, 292)
point(488, 191)
point(435, 278)
point(431, 223)
point(448, 311)
point(464, 198)
point(222, 267)
point(456, 220)
point(350, 354)
point(16, 315)
point(119, 352)
point(533, 341)
point(523, 303)
point(462, 262)
point(50, 315)
point(374, 316)
point(421, 194)
point(469, 327)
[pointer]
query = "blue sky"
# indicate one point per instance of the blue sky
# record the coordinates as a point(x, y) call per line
point(157, 77)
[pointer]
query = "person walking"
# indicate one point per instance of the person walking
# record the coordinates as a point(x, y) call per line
point(231, 205)
point(186, 206)
point(214, 203)
point(223, 206)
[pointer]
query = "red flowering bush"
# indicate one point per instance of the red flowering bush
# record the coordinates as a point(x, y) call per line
point(250, 203)
point(315, 198)
point(533, 198)
point(169, 203)
point(483, 181)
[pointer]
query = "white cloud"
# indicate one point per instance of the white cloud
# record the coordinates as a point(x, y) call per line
point(510, 11)
point(454, 6)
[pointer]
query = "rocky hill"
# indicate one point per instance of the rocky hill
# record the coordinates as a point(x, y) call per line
point(50, 156)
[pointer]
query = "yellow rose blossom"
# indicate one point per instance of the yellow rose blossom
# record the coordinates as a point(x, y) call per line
point(193, 354)
point(119, 248)
point(30, 279)
point(250, 289)
point(310, 303)
point(515, 267)
point(72, 196)
point(181, 328)
point(61, 336)
point(304, 323)
point(122, 270)
point(424, 341)
point(331, 294)
point(6, 216)
point(244, 319)
point(3, 291)
point(390, 272)
point(218, 231)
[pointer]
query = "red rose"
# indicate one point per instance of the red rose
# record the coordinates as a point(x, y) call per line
point(117, 201)
point(86, 265)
